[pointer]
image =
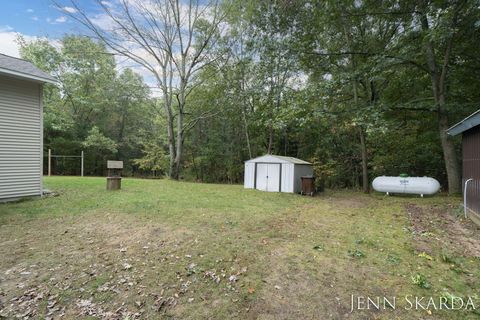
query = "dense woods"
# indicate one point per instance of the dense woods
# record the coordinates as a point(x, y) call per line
point(359, 88)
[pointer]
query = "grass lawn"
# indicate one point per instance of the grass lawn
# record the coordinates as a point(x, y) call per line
point(165, 249)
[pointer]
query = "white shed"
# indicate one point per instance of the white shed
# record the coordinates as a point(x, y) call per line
point(276, 173)
point(21, 128)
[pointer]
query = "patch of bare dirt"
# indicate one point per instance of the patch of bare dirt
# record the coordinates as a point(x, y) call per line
point(64, 271)
point(437, 225)
point(291, 292)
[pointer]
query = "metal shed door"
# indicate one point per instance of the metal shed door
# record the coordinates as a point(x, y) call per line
point(268, 177)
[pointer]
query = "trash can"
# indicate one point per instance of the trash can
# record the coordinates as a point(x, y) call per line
point(308, 185)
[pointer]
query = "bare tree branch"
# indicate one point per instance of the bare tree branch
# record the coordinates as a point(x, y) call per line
point(164, 37)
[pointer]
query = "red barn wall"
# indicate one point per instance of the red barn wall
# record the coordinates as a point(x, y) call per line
point(471, 167)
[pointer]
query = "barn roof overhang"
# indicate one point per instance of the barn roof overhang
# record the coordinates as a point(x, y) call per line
point(469, 122)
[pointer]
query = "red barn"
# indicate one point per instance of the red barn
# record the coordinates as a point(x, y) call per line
point(470, 130)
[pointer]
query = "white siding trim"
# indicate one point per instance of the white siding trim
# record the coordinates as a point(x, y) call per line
point(40, 104)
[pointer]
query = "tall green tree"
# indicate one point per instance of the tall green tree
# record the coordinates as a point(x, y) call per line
point(93, 107)
point(372, 45)
point(170, 40)
point(441, 28)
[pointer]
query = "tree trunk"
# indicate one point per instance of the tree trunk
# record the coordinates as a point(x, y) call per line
point(270, 141)
point(438, 76)
point(179, 146)
point(363, 146)
point(171, 149)
point(244, 106)
point(180, 129)
point(195, 167)
point(247, 136)
point(450, 156)
point(167, 105)
point(170, 136)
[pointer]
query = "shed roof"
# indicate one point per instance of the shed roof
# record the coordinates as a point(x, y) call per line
point(469, 122)
point(23, 69)
point(283, 159)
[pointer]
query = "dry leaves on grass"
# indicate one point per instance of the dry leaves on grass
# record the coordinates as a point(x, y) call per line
point(439, 224)
point(88, 308)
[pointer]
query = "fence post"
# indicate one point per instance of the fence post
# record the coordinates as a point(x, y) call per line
point(82, 164)
point(49, 162)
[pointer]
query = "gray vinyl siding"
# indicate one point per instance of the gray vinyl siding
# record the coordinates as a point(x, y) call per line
point(20, 138)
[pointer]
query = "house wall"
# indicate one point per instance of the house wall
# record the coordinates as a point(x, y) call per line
point(21, 138)
point(471, 167)
point(301, 170)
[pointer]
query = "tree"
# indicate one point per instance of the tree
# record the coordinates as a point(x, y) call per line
point(276, 69)
point(130, 111)
point(154, 158)
point(359, 88)
point(98, 142)
point(438, 68)
point(332, 38)
point(101, 146)
point(86, 74)
point(429, 37)
point(169, 38)
point(436, 41)
point(91, 94)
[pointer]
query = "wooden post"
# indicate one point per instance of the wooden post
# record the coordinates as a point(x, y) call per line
point(49, 162)
point(82, 165)
point(114, 179)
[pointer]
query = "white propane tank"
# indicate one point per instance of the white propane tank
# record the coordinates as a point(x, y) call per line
point(413, 185)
